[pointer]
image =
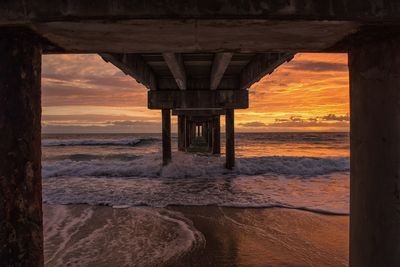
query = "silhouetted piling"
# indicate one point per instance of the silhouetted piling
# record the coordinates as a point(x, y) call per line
point(166, 136)
point(21, 229)
point(375, 154)
point(230, 139)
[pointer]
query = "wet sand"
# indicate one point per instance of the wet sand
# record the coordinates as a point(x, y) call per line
point(82, 235)
point(268, 237)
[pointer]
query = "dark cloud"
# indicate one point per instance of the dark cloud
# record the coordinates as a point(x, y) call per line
point(65, 95)
point(296, 119)
point(137, 127)
point(96, 118)
point(130, 123)
point(88, 80)
point(324, 121)
point(317, 66)
point(304, 124)
point(253, 124)
point(333, 117)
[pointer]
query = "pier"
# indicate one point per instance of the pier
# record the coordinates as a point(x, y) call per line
point(198, 88)
point(198, 59)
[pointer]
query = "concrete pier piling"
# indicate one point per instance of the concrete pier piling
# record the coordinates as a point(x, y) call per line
point(216, 132)
point(166, 136)
point(230, 138)
point(375, 153)
point(181, 132)
point(199, 130)
point(21, 230)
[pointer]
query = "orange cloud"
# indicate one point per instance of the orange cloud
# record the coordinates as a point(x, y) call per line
point(81, 91)
point(310, 86)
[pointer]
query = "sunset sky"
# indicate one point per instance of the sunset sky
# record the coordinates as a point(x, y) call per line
point(82, 93)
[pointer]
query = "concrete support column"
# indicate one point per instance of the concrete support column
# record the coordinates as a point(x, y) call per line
point(209, 135)
point(375, 154)
point(21, 229)
point(192, 135)
point(216, 131)
point(187, 133)
point(166, 136)
point(230, 138)
point(194, 131)
point(181, 132)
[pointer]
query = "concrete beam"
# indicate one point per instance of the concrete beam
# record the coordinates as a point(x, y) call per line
point(226, 83)
point(199, 119)
point(22, 11)
point(134, 66)
point(260, 66)
point(198, 112)
point(178, 99)
point(175, 65)
point(195, 36)
point(78, 26)
point(220, 64)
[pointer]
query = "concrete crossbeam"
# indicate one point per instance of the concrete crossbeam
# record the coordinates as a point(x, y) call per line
point(196, 26)
point(198, 112)
point(175, 65)
point(134, 66)
point(20, 11)
point(220, 64)
point(176, 99)
point(261, 65)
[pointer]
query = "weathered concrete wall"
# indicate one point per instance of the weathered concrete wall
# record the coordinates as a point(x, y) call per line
point(188, 36)
point(375, 154)
point(196, 26)
point(64, 10)
point(21, 230)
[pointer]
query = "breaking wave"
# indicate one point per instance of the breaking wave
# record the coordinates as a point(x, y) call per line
point(187, 166)
point(327, 194)
point(96, 142)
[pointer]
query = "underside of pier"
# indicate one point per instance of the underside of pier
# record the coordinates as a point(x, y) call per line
point(198, 59)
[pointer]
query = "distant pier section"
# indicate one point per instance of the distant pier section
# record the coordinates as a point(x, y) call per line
point(198, 88)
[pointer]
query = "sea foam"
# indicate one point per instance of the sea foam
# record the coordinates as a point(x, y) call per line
point(188, 165)
point(91, 142)
point(79, 236)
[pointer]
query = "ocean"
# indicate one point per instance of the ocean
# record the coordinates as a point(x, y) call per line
point(295, 171)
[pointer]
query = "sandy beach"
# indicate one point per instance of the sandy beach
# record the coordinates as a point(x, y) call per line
point(83, 235)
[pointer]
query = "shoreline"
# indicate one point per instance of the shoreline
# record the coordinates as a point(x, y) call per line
point(192, 235)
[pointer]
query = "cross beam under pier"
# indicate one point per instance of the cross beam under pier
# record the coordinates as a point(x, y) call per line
point(197, 99)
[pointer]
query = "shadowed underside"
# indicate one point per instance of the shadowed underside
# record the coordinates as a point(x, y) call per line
point(126, 26)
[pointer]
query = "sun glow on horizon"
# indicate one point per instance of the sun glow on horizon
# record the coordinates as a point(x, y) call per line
point(82, 93)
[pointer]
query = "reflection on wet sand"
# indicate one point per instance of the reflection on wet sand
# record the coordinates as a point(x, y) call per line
point(268, 237)
point(84, 235)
